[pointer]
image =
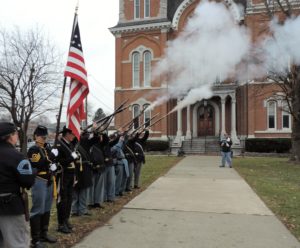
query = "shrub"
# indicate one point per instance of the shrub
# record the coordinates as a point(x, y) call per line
point(279, 145)
point(156, 145)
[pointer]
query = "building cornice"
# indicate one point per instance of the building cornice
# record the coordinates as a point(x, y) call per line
point(140, 27)
point(253, 9)
point(140, 89)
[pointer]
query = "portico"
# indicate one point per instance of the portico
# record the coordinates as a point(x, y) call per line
point(209, 117)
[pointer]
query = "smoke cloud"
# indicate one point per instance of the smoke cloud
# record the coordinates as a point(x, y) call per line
point(213, 47)
point(208, 49)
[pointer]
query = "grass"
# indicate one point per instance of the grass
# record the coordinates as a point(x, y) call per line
point(277, 182)
point(155, 167)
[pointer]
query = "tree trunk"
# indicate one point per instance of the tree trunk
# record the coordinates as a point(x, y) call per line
point(296, 119)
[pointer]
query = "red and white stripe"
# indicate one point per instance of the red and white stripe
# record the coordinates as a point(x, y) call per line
point(79, 89)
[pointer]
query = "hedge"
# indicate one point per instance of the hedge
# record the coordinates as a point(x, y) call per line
point(278, 145)
point(156, 145)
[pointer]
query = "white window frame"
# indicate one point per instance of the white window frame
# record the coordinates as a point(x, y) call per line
point(147, 76)
point(145, 8)
point(135, 73)
point(275, 115)
point(147, 112)
point(137, 9)
point(135, 112)
point(285, 113)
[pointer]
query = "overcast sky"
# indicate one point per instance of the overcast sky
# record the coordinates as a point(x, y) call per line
point(55, 17)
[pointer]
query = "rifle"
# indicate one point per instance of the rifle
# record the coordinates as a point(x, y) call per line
point(24, 196)
point(118, 110)
point(144, 124)
point(157, 121)
point(109, 119)
point(130, 123)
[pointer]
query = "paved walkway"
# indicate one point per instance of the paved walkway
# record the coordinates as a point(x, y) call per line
point(196, 205)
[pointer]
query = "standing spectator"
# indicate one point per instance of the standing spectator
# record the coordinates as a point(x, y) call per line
point(226, 144)
point(42, 161)
point(15, 173)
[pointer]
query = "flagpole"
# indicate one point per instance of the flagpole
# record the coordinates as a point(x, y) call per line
point(64, 86)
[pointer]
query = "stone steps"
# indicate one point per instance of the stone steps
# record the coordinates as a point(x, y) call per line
point(210, 145)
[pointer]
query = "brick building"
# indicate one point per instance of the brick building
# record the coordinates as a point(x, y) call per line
point(249, 110)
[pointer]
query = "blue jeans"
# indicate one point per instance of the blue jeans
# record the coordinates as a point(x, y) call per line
point(226, 157)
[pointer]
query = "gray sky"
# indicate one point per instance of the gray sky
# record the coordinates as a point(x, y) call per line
point(55, 17)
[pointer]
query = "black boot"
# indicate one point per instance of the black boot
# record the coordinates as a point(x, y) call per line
point(35, 228)
point(45, 237)
point(63, 228)
point(68, 224)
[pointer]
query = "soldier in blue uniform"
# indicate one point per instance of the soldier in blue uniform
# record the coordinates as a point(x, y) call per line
point(67, 158)
point(15, 173)
point(42, 159)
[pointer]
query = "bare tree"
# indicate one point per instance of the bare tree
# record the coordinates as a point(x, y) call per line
point(29, 77)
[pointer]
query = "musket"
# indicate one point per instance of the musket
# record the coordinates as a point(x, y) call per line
point(130, 123)
point(158, 120)
point(118, 110)
point(144, 124)
point(108, 120)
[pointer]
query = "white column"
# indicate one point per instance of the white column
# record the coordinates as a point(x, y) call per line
point(179, 123)
point(188, 134)
point(233, 121)
point(223, 100)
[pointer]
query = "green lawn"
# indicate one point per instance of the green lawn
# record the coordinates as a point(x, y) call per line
point(155, 167)
point(277, 182)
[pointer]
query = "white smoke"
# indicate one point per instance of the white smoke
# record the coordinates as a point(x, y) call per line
point(213, 47)
point(208, 49)
point(194, 95)
point(283, 47)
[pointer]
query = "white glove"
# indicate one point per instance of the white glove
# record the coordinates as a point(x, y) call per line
point(53, 167)
point(54, 152)
point(74, 155)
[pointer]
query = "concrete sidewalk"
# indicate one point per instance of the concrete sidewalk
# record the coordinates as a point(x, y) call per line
point(196, 205)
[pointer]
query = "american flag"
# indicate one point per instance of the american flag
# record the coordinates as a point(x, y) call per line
point(79, 88)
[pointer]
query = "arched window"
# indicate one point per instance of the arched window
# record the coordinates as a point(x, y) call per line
point(147, 115)
point(137, 9)
point(271, 115)
point(135, 113)
point(286, 116)
point(147, 8)
point(147, 69)
point(135, 70)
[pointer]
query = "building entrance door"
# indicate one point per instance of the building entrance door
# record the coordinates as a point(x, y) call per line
point(206, 121)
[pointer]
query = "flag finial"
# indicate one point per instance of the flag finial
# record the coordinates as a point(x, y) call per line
point(77, 6)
